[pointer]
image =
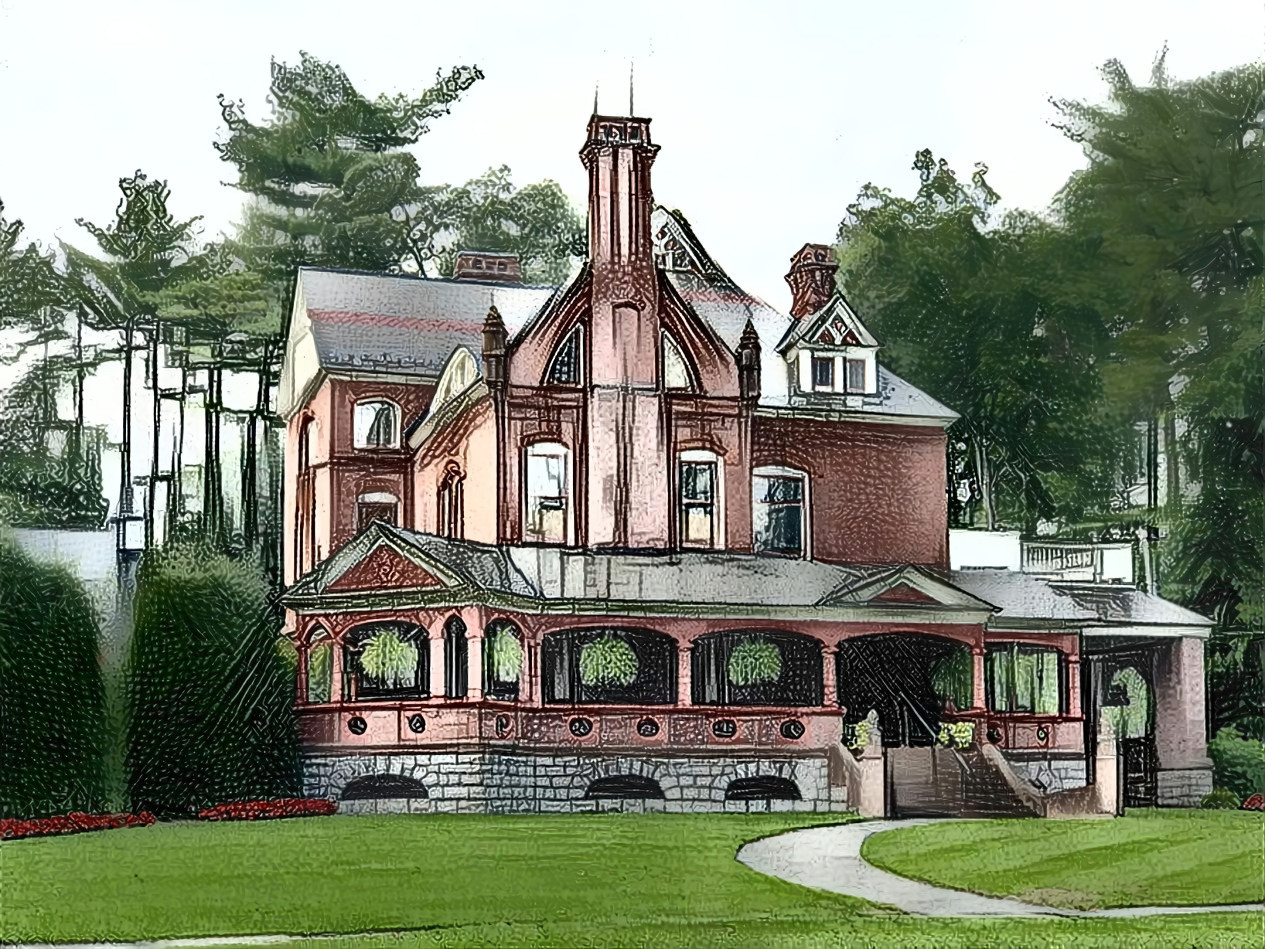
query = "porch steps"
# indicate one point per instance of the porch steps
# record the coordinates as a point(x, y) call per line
point(930, 782)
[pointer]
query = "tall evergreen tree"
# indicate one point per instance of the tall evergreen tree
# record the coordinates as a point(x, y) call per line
point(53, 740)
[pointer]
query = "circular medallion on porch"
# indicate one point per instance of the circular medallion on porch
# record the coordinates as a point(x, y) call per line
point(792, 729)
point(580, 726)
point(416, 724)
point(647, 728)
point(724, 728)
point(357, 725)
point(503, 725)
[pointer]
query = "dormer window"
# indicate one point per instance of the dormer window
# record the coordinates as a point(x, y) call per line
point(856, 375)
point(823, 373)
point(376, 425)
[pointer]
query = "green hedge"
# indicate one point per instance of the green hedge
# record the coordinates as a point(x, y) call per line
point(1238, 763)
point(209, 697)
point(53, 734)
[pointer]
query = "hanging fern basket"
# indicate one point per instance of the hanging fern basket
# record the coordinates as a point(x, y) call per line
point(389, 659)
point(504, 656)
point(608, 661)
point(755, 661)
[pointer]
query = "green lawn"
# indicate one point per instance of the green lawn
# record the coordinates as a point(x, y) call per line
point(655, 880)
point(1155, 858)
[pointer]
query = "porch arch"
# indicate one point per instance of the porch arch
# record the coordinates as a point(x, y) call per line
point(361, 683)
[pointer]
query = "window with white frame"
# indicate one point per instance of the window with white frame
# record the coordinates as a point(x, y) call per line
point(376, 424)
point(855, 369)
point(699, 508)
point(547, 517)
point(779, 511)
point(823, 372)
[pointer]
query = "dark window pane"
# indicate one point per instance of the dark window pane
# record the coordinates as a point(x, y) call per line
point(823, 372)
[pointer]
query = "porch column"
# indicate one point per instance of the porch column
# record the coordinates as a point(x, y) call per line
point(300, 686)
point(474, 682)
point(978, 697)
point(530, 689)
point(1074, 684)
point(684, 682)
point(438, 661)
point(336, 669)
point(829, 684)
point(1181, 741)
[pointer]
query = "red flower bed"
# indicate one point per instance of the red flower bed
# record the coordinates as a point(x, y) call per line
point(267, 810)
point(1254, 803)
point(76, 822)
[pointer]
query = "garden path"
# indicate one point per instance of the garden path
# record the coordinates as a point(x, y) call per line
point(829, 858)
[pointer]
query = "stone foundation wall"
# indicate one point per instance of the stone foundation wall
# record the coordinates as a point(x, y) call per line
point(1049, 773)
point(500, 783)
point(1182, 788)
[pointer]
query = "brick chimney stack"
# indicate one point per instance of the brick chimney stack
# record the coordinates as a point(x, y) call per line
point(812, 278)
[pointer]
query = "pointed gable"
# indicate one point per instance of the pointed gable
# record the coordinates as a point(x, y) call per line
point(905, 586)
point(903, 593)
point(385, 568)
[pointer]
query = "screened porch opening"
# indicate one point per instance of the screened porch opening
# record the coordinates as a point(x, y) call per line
point(757, 667)
point(386, 661)
point(609, 666)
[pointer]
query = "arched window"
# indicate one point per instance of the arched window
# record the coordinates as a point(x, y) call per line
point(376, 506)
point(676, 371)
point(456, 659)
point(547, 505)
point(700, 507)
point(385, 660)
point(565, 366)
point(762, 788)
point(624, 786)
point(502, 660)
point(376, 424)
point(456, 377)
point(757, 667)
point(320, 669)
point(779, 512)
point(452, 505)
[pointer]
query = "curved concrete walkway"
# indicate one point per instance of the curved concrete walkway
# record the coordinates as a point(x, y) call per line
point(829, 858)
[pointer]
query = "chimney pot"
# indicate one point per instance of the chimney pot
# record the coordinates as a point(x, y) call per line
point(479, 265)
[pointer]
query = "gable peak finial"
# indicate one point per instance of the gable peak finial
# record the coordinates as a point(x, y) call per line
point(631, 113)
point(596, 86)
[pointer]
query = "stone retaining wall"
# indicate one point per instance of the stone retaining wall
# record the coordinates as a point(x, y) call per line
point(1182, 788)
point(500, 783)
point(1049, 773)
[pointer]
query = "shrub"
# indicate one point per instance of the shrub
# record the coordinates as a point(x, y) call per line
point(53, 734)
point(1238, 762)
point(956, 734)
point(209, 698)
point(608, 660)
point(1221, 799)
point(76, 822)
point(269, 810)
point(753, 661)
point(389, 658)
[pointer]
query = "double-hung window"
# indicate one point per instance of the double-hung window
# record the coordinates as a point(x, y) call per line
point(547, 518)
point(698, 500)
point(778, 515)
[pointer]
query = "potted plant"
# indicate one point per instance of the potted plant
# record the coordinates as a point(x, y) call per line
point(608, 660)
point(956, 734)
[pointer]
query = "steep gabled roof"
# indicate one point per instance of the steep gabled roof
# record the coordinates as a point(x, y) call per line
point(402, 324)
point(836, 321)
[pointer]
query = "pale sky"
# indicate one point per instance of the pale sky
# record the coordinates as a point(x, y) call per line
point(770, 115)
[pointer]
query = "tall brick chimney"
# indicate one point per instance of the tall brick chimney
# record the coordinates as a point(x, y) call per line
point(812, 278)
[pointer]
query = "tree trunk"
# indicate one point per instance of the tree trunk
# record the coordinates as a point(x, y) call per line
point(1173, 485)
point(151, 496)
point(983, 477)
point(125, 450)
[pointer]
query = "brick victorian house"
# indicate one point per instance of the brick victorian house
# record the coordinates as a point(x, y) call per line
point(643, 540)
